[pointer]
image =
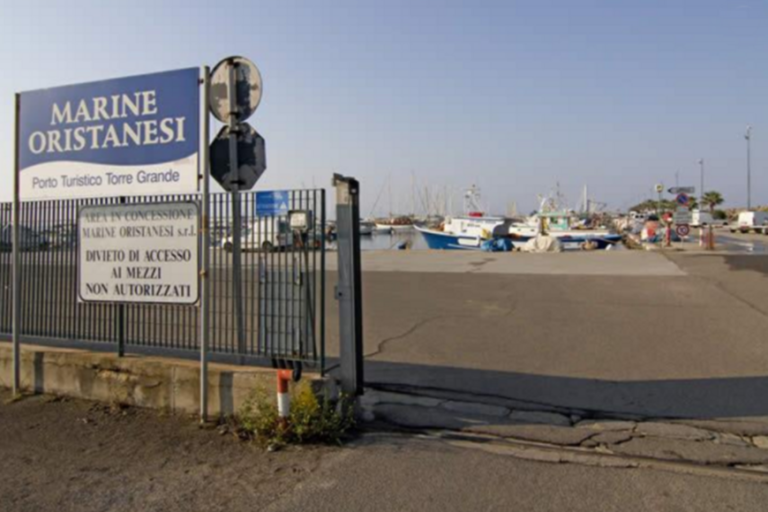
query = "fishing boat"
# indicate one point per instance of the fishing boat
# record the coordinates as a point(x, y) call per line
point(465, 232)
point(559, 225)
point(394, 224)
point(366, 227)
point(469, 232)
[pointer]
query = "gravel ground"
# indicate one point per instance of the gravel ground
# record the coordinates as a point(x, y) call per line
point(63, 454)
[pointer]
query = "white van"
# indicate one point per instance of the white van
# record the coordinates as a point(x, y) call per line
point(265, 234)
point(754, 222)
point(699, 219)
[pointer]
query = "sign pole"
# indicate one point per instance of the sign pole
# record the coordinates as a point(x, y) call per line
point(205, 232)
point(237, 285)
point(16, 264)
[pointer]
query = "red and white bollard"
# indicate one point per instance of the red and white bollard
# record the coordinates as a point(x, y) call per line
point(283, 396)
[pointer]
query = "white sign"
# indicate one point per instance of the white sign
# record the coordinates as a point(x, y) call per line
point(145, 253)
point(682, 216)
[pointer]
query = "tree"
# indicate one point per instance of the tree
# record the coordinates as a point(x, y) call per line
point(712, 199)
point(651, 205)
point(693, 203)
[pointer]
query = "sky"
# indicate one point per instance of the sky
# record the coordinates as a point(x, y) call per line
point(420, 95)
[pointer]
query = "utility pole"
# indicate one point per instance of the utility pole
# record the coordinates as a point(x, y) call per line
point(701, 192)
point(748, 136)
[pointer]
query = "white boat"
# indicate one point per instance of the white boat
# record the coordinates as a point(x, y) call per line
point(366, 228)
point(472, 230)
point(394, 224)
point(557, 224)
point(466, 232)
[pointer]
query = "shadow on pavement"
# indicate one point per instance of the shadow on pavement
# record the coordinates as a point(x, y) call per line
point(706, 398)
point(751, 263)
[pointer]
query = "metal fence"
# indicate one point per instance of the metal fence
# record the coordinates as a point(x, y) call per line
point(283, 283)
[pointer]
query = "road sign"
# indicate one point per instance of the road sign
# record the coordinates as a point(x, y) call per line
point(272, 203)
point(128, 136)
point(251, 158)
point(145, 253)
point(682, 190)
point(682, 199)
point(659, 188)
point(248, 89)
point(682, 215)
point(683, 230)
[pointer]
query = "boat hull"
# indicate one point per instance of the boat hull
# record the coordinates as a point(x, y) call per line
point(439, 240)
point(393, 227)
point(576, 242)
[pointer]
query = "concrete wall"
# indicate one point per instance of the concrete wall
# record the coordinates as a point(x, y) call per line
point(161, 383)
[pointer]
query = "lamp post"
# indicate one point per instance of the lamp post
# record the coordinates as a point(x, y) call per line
point(748, 136)
point(701, 192)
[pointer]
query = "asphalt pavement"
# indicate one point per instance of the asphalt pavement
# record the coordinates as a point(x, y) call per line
point(391, 472)
point(72, 455)
point(657, 335)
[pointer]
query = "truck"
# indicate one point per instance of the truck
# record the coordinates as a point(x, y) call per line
point(699, 218)
point(751, 222)
point(265, 234)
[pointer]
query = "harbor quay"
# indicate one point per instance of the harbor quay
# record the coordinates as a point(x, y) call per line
point(657, 334)
point(640, 333)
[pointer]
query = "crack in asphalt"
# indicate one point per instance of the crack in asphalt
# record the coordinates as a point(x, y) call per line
point(381, 346)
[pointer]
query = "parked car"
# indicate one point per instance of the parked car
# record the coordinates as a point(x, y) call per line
point(63, 236)
point(29, 240)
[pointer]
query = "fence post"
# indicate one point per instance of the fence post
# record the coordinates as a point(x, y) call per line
point(349, 288)
point(16, 255)
point(121, 318)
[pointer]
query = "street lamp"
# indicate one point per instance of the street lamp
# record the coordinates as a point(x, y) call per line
point(701, 192)
point(748, 136)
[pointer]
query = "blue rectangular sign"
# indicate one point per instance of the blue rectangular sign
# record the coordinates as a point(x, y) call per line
point(272, 204)
point(128, 136)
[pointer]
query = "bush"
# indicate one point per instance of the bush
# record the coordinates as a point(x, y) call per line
point(310, 421)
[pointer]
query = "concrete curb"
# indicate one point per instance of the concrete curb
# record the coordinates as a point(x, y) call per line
point(657, 440)
point(153, 382)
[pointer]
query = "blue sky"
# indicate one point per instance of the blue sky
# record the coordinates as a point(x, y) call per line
point(512, 95)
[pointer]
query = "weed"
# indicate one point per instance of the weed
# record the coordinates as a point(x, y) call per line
point(311, 420)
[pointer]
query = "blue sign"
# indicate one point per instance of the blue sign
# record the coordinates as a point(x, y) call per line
point(682, 199)
point(272, 204)
point(127, 136)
